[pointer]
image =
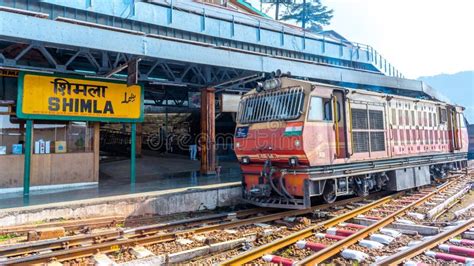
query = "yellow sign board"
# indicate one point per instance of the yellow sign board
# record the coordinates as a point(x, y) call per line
point(42, 96)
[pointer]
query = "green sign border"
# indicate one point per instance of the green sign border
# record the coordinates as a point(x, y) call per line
point(20, 114)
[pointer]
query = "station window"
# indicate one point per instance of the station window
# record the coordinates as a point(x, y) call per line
point(62, 137)
point(11, 140)
point(320, 109)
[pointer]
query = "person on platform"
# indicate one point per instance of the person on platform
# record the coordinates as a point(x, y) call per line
point(193, 145)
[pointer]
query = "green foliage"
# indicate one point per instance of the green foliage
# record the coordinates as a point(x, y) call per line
point(7, 237)
point(311, 14)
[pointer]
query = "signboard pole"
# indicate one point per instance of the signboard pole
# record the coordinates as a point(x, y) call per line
point(133, 136)
point(26, 172)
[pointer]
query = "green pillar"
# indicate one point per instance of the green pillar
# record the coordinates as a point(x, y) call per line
point(26, 170)
point(133, 135)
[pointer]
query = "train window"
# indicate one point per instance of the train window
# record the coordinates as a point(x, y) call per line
point(320, 109)
point(315, 109)
point(443, 115)
point(394, 116)
point(463, 120)
point(327, 110)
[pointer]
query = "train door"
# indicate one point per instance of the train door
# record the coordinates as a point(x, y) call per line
point(454, 125)
point(340, 124)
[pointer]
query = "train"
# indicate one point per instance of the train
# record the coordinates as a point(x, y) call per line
point(299, 142)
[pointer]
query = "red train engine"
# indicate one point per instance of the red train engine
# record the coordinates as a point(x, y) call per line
point(298, 140)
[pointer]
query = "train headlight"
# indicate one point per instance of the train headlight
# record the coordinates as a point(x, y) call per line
point(293, 161)
point(271, 84)
point(237, 144)
point(297, 143)
point(245, 160)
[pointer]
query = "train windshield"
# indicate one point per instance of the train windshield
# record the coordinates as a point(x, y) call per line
point(285, 104)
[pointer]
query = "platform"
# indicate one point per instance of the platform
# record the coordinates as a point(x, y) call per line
point(163, 202)
point(154, 173)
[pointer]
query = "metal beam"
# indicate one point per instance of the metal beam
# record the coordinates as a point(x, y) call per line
point(66, 34)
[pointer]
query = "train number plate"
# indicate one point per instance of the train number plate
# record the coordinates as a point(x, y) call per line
point(241, 132)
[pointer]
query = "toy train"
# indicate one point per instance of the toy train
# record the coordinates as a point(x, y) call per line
point(298, 141)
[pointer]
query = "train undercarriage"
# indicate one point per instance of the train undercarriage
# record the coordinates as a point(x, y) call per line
point(330, 182)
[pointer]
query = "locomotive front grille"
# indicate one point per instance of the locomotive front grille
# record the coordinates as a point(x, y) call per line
point(286, 104)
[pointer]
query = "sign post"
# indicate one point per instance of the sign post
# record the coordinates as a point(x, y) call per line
point(71, 98)
point(133, 136)
point(27, 163)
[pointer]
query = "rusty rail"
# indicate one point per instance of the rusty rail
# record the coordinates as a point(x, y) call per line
point(411, 252)
point(334, 249)
point(67, 225)
point(256, 253)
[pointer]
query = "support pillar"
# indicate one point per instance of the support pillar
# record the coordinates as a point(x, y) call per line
point(133, 146)
point(208, 132)
point(27, 165)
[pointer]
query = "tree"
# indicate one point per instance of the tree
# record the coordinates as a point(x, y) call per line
point(310, 13)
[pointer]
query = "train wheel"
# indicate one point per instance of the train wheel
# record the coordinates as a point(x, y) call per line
point(329, 194)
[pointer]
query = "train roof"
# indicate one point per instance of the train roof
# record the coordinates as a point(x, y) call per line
point(383, 93)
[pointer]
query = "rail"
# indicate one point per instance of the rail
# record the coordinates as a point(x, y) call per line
point(334, 249)
point(253, 254)
point(413, 251)
point(337, 247)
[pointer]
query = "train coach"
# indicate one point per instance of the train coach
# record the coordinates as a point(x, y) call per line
point(298, 141)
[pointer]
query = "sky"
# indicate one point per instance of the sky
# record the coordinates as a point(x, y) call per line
point(419, 37)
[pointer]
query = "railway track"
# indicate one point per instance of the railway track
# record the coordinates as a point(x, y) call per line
point(451, 245)
point(24, 249)
point(336, 238)
point(69, 225)
point(80, 246)
point(333, 235)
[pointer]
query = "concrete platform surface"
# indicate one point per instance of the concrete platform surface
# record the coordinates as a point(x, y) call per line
point(164, 202)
